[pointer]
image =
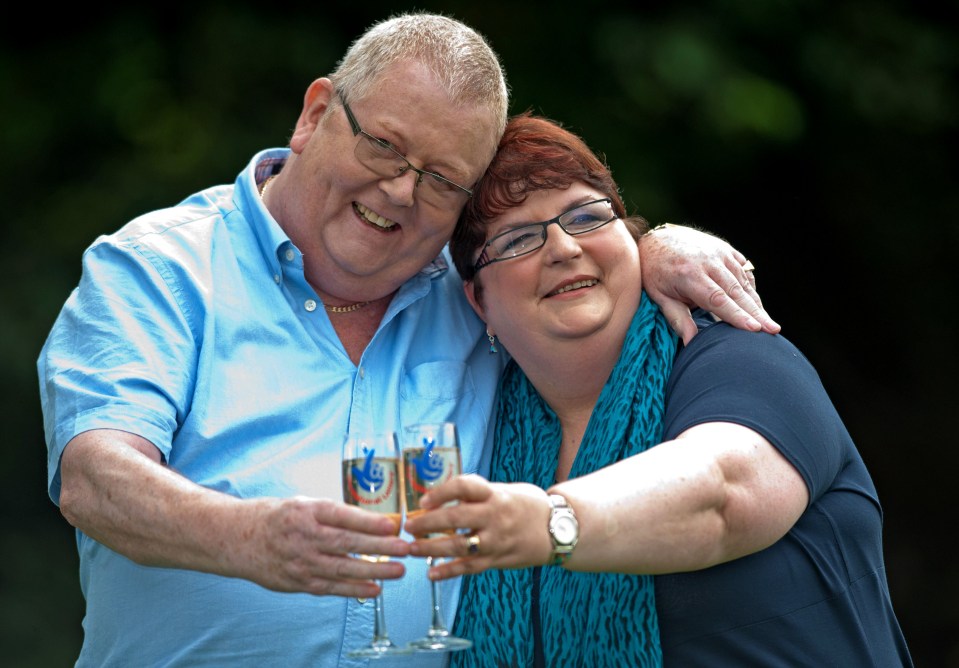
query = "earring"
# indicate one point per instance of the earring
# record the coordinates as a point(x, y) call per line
point(492, 342)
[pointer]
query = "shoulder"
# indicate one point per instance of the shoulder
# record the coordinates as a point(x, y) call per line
point(192, 216)
point(176, 240)
point(721, 346)
point(727, 373)
point(763, 382)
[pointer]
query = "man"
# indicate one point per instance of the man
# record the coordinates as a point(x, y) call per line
point(198, 382)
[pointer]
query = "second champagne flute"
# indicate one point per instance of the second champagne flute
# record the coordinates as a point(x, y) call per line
point(372, 479)
point(431, 455)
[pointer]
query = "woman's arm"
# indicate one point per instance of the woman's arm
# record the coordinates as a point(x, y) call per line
point(716, 493)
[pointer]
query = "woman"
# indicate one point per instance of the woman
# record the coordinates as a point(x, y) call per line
point(754, 509)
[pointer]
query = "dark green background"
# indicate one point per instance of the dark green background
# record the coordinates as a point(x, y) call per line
point(819, 137)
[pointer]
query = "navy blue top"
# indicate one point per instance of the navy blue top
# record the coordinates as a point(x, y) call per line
point(819, 596)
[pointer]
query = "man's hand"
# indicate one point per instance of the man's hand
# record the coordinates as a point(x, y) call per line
point(684, 267)
point(117, 490)
point(312, 545)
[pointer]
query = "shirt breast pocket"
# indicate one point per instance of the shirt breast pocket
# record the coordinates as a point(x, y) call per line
point(444, 392)
point(431, 392)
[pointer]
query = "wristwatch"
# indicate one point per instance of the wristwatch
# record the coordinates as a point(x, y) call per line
point(563, 529)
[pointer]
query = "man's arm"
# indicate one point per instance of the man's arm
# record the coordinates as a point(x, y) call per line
point(117, 491)
point(684, 267)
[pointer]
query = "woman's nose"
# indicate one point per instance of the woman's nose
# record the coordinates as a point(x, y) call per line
point(560, 245)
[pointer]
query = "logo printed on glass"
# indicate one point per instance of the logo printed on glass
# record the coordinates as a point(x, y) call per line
point(429, 468)
point(371, 484)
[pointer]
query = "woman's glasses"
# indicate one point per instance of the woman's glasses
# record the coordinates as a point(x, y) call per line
point(525, 239)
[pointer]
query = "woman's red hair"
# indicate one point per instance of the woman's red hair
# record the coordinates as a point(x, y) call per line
point(535, 153)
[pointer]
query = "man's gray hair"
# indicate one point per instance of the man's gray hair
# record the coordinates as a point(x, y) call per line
point(457, 55)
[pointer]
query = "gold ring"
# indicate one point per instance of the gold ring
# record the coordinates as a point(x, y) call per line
point(748, 266)
point(473, 543)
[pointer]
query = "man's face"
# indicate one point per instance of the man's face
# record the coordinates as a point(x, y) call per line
point(362, 234)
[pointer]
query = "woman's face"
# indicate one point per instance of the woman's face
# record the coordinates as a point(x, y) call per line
point(572, 287)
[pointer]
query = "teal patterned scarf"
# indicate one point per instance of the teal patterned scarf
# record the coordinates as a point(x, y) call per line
point(587, 619)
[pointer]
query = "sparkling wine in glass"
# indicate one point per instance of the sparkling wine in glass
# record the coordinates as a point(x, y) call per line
point(373, 479)
point(431, 455)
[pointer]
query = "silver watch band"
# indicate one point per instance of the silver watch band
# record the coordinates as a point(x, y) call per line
point(563, 529)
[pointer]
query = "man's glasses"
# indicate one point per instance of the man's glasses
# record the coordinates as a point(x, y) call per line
point(528, 238)
point(379, 156)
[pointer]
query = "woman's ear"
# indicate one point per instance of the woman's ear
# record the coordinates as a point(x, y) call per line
point(474, 297)
point(315, 102)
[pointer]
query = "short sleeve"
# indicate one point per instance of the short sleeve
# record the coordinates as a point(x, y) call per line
point(763, 382)
point(121, 354)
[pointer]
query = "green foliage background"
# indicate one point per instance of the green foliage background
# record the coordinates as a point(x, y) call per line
point(819, 137)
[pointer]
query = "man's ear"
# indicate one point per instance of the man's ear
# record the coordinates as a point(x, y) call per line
point(315, 102)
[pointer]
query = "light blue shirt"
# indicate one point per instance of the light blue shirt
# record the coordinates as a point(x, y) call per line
point(195, 328)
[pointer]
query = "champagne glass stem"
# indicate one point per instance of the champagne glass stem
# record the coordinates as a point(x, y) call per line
point(380, 637)
point(438, 626)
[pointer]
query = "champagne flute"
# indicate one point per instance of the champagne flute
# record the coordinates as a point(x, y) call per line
point(431, 455)
point(373, 479)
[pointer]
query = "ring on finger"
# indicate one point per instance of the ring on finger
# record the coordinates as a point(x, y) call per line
point(473, 543)
point(749, 266)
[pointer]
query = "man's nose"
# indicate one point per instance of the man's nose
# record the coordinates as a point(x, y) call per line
point(401, 189)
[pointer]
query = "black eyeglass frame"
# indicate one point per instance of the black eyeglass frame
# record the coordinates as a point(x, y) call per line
point(420, 173)
point(484, 259)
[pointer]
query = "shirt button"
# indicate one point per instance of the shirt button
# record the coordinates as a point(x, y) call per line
point(362, 373)
point(276, 278)
point(309, 305)
point(290, 254)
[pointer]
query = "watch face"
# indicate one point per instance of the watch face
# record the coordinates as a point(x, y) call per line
point(564, 529)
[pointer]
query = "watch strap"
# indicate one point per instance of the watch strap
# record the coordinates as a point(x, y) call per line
point(559, 507)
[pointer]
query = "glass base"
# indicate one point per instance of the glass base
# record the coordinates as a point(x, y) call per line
point(379, 651)
point(441, 643)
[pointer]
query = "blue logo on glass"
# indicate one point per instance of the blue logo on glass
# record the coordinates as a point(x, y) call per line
point(428, 467)
point(371, 477)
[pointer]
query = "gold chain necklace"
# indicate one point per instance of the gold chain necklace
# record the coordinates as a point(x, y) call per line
point(332, 309)
point(266, 184)
point(346, 309)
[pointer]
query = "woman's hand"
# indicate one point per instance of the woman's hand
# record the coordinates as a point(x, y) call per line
point(493, 525)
